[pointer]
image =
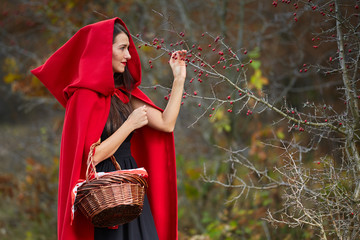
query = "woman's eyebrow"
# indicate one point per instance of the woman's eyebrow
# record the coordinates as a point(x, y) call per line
point(123, 44)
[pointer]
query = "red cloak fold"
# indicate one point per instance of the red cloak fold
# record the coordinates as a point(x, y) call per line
point(79, 75)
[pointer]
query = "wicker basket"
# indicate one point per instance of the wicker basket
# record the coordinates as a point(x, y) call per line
point(112, 199)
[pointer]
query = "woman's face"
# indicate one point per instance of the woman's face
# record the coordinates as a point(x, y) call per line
point(120, 52)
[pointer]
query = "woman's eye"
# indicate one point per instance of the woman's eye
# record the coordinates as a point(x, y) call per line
point(123, 48)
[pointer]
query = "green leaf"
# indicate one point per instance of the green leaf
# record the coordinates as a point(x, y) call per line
point(255, 53)
point(255, 64)
point(280, 134)
point(257, 80)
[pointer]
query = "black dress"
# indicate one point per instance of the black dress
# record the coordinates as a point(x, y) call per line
point(141, 228)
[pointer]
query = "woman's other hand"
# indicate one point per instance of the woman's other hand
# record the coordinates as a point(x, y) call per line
point(138, 118)
point(177, 64)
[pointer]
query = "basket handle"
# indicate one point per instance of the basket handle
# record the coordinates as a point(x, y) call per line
point(91, 169)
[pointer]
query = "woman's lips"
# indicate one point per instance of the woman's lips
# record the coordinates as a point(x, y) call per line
point(124, 63)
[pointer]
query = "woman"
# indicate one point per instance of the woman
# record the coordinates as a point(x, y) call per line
point(95, 76)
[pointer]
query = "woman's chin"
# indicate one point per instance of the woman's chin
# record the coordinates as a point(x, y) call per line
point(119, 70)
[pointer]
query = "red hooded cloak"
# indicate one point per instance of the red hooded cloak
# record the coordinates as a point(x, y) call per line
point(80, 76)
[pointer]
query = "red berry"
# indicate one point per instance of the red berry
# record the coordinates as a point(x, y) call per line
point(228, 97)
point(221, 53)
point(195, 93)
point(237, 69)
point(245, 52)
point(250, 61)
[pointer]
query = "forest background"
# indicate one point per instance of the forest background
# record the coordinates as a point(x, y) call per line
point(267, 140)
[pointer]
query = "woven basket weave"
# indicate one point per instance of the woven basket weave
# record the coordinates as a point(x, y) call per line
point(112, 199)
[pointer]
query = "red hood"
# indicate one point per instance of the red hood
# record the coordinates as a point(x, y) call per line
point(78, 64)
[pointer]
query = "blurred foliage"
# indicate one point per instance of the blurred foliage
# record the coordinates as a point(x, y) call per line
point(28, 206)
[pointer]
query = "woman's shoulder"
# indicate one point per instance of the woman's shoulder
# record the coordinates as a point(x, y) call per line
point(85, 97)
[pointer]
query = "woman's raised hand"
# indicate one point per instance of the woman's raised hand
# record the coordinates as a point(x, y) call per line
point(138, 118)
point(177, 64)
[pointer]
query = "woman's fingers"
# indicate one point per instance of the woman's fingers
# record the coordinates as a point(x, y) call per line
point(179, 55)
point(138, 118)
point(177, 63)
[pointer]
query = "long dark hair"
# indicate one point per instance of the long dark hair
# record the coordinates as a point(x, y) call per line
point(119, 111)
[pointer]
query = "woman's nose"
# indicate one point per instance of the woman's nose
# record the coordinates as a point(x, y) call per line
point(127, 55)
